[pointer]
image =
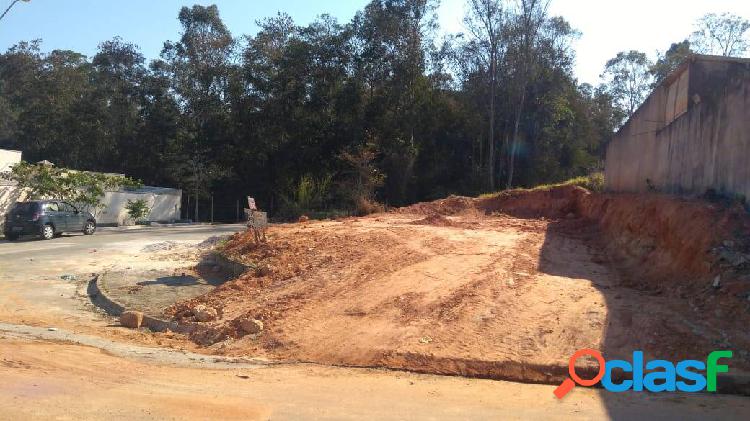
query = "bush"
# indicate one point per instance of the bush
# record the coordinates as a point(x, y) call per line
point(308, 195)
point(593, 182)
point(137, 209)
point(366, 206)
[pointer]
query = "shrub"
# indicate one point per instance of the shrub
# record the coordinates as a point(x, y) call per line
point(365, 206)
point(138, 209)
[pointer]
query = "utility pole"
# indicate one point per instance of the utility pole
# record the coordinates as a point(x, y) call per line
point(13, 3)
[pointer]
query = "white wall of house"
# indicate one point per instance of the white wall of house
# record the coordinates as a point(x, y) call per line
point(9, 192)
point(165, 205)
point(8, 158)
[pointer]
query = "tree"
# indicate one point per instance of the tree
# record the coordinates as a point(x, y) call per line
point(670, 60)
point(332, 115)
point(82, 188)
point(724, 34)
point(628, 79)
point(137, 209)
point(486, 23)
point(200, 69)
point(528, 21)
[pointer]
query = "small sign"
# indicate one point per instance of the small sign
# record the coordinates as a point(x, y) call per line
point(256, 220)
point(251, 203)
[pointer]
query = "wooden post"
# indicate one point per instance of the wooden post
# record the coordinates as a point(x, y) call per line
point(212, 208)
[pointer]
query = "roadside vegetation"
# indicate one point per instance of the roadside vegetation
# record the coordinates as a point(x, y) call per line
point(333, 116)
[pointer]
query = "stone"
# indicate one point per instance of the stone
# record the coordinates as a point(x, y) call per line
point(204, 313)
point(717, 282)
point(131, 319)
point(304, 218)
point(571, 215)
point(251, 326)
point(262, 270)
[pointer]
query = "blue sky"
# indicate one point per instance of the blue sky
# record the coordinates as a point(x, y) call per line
point(608, 26)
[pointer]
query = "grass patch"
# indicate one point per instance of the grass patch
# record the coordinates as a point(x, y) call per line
point(593, 182)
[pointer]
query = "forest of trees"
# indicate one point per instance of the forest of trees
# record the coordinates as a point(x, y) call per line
point(330, 115)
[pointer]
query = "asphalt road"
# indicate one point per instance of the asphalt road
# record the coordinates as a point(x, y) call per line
point(62, 358)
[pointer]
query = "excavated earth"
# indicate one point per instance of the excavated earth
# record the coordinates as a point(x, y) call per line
point(505, 287)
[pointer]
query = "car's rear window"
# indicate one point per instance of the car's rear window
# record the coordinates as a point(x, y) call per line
point(25, 208)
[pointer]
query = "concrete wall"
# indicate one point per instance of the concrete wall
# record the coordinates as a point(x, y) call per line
point(8, 159)
point(165, 206)
point(9, 193)
point(707, 147)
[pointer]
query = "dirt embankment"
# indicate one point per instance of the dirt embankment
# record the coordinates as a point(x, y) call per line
point(502, 287)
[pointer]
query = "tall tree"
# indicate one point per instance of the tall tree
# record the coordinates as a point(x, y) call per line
point(201, 64)
point(724, 34)
point(486, 23)
point(670, 60)
point(529, 19)
point(628, 79)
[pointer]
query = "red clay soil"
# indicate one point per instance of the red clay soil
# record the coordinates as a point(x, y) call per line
point(504, 287)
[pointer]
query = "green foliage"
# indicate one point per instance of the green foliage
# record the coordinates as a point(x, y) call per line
point(593, 182)
point(317, 117)
point(82, 188)
point(629, 79)
point(137, 209)
point(307, 195)
point(722, 34)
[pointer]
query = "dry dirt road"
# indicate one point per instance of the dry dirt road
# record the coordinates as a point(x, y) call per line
point(121, 374)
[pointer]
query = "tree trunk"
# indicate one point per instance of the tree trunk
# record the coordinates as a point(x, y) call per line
point(514, 145)
point(196, 208)
point(491, 140)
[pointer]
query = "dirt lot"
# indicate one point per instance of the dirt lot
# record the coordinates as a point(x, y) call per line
point(506, 287)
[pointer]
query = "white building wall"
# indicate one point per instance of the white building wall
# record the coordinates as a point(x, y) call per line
point(8, 159)
point(9, 193)
point(165, 205)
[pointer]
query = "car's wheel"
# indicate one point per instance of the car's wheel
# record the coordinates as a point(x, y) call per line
point(89, 228)
point(48, 232)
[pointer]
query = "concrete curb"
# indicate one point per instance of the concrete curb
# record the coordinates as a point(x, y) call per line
point(97, 292)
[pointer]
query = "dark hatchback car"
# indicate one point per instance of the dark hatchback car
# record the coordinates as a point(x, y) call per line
point(46, 218)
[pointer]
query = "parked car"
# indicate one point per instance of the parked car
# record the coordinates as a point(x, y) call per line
point(47, 218)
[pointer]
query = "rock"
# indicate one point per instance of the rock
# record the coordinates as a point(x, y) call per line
point(251, 326)
point(68, 277)
point(729, 243)
point(52, 329)
point(304, 218)
point(717, 282)
point(262, 270)
point(204, 313)
point(571, 215)
point(131, 319)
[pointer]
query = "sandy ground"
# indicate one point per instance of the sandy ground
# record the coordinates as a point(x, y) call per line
point(60, 381)
point(496, 297)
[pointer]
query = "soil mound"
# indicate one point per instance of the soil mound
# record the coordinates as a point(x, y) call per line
point(452, 205)
point(539, 275)
point(436, 220)
point(554, 202)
